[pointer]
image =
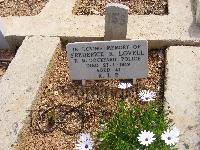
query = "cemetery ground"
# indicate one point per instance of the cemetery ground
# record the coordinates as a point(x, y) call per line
point(5, 58)
point(21, 8)
point(82, 7)
point(37, 80)
point(103, 98)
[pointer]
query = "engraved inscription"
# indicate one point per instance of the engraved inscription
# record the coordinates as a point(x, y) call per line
point(108, 60)
point(117, 18)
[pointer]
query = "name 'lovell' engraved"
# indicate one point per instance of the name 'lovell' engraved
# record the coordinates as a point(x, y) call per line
point(108, 59)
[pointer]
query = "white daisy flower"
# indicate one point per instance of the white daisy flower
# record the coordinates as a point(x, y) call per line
point(171, 137)
point(147, 95)
point(124, 85)
point(85, 142)
point(146, 137)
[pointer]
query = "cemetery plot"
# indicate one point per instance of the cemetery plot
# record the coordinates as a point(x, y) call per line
point(6, 57)
point(49, 128)
point(136, 7)
point(21, 7)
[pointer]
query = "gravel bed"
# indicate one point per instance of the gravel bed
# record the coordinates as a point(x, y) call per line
point(136, 7)
point(21, 7)
point(4, 56)
point(99, 99)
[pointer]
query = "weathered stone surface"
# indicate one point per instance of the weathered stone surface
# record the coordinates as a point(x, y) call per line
point(116, 19)
point(19, 85)
point(183, 93)
point(176, 28)
point(3, 42)
point(198, 12)
point(108, 60)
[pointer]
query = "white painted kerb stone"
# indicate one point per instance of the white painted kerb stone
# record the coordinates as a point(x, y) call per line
point(183, 93)
point(19, 85)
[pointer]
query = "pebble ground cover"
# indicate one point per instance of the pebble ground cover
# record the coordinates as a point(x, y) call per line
point(21, 7)
point(139, 7)
point(5, 55)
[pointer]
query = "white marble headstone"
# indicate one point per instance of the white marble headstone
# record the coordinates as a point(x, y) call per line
point(122, 59)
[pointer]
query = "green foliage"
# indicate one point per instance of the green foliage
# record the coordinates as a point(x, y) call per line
point(186, 146)
point(126, 124)
point(51, 118)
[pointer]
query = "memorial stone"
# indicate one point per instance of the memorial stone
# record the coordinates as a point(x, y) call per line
point(122, 59)
point(116, 19)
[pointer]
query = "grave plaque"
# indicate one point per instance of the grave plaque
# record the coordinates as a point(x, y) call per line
point(99, 60)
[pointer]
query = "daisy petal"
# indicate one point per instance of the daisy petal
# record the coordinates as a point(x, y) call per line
point(147, 95)
point(85, 142)
point(170, 136)
point(124, 85)
point(146, 138)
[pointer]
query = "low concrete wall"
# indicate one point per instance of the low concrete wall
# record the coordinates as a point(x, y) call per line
point(20, 84)
point(57, 20)
point(183, 93)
